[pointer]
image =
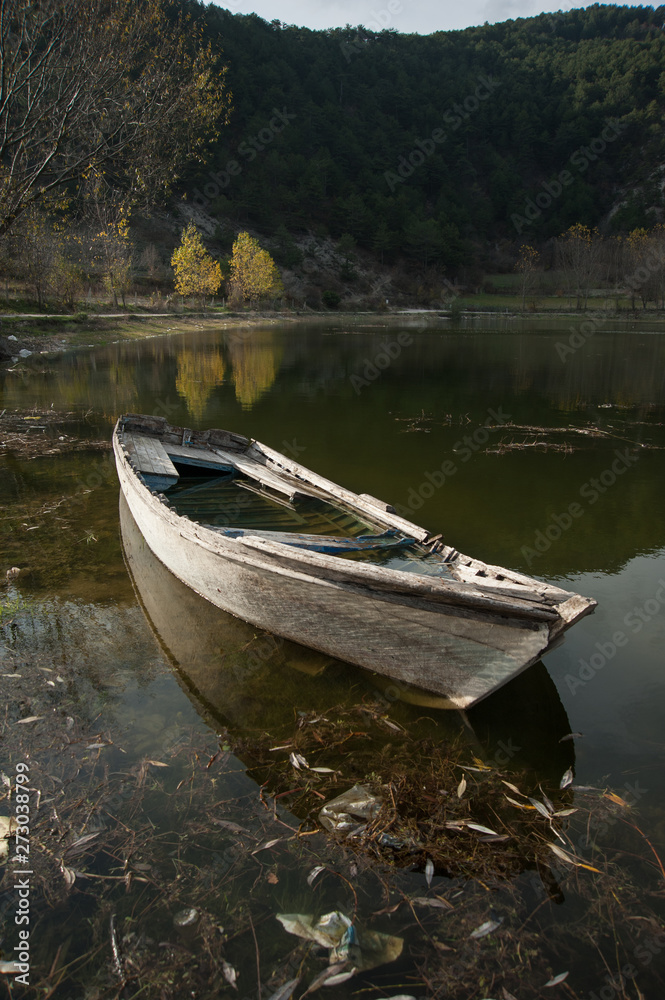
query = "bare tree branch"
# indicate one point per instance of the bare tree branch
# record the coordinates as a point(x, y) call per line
point(116, 86)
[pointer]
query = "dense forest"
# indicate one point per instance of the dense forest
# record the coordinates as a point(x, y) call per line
point(374, 167)
point(443, 147)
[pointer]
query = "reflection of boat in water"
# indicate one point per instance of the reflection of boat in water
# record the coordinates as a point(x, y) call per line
point(277, 545)
point(245, 679)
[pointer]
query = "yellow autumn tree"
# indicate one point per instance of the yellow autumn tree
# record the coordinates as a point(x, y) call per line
point(196, 272)
point(254, 274)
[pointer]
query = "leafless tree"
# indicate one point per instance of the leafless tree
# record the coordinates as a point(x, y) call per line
point(116, 86)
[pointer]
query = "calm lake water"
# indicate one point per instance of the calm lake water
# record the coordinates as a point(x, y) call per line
point(524, 454)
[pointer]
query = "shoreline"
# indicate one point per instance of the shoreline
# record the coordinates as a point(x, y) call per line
point(52, 334)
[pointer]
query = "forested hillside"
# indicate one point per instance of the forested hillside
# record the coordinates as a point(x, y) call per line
point(439, 146)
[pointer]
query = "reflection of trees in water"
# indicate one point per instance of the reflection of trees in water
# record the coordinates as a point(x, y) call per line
point(197, 376)
point(256, 359)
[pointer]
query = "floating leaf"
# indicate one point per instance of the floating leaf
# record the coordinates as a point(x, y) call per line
point(548, 802)
point(323, 770)
point(520, 805)
point(461, 788)
point(429, 871)
point(540, 807)
point(483, 829)
point(315, 872)
point(69, 875)
point(484, 929)
point(341, 977)
point(434, 902)
point(332, 970)
point(230, 974)
point(157, 763)
point(567, 779)
point(97, 746)
point(558, 979)
point(613, 797)
point(286, 991)
point(31, 718)
point(564, 856)
point(267, 844)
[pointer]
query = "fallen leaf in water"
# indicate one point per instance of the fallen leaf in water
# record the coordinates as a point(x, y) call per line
point(564, 856)
point(461, 788)
point(483, 829)
point(429, 871)
point(286, 991)
point(315, 872)
point(484, 929)
point(31, 718)
point(567, 779)
point(613, 797)
point(540, 807)
point(230, 974)
point(434, 902)
point(557, 979)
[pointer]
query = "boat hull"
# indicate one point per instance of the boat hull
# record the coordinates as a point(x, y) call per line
point(460, 652)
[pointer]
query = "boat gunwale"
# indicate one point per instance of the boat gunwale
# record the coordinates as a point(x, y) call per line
point(534, 605)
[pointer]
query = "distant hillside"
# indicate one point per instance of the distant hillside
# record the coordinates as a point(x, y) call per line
point(440, 147)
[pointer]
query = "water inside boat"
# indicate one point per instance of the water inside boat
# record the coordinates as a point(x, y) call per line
point(234, 504)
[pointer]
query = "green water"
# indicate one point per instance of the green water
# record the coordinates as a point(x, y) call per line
point(547, 466)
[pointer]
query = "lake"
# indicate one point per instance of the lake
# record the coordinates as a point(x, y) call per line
point(160, 755)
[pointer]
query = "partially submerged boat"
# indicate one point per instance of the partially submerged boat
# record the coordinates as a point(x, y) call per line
point(279, 546)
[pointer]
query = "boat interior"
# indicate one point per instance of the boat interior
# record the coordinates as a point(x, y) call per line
point(235, 495)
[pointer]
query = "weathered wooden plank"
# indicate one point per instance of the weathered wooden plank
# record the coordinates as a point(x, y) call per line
point(256, 470)
point(150, 456)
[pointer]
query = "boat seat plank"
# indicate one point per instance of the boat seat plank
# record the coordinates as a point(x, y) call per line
point(256, 470)
point(149, 456)
point(204, 456)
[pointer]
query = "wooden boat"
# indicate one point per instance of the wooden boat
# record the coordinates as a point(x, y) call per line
point(279, 546)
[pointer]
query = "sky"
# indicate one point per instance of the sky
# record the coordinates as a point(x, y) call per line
point(421, 16)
